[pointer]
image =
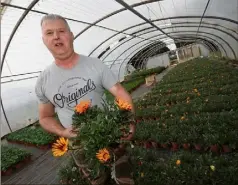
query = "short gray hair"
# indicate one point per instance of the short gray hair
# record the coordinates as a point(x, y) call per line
point(54, 17)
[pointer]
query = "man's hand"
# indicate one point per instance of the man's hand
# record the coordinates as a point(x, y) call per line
point(129, 137)
point(69, 133)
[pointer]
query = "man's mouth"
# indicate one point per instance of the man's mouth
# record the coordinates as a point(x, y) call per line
point(58, 44)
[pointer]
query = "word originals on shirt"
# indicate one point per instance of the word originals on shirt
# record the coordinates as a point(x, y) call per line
point(72, 98)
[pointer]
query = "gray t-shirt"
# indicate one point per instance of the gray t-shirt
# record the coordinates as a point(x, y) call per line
point(65, 88)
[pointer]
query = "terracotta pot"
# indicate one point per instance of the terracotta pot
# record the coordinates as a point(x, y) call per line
point(226, 149)
point(214, 148)
point(186, 146)
point(7, 172)
point(175, 146)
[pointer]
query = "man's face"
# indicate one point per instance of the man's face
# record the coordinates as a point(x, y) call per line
point(57, 38)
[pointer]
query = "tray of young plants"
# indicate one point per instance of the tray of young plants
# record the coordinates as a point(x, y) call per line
point(32, 136)
point(13, 158)
point(196, 105)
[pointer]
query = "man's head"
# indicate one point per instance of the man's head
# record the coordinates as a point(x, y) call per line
point(57, 36)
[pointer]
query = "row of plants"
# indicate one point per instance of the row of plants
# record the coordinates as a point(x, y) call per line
point(32, 136)
point(183, 168)
point(13, 158)
point(144, 73)
point(193, 112)
point(206, 131)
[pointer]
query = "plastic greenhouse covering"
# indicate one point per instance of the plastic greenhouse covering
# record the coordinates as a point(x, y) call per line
point(119, 28)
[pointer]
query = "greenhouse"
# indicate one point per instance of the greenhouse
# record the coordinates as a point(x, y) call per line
point(178, 61)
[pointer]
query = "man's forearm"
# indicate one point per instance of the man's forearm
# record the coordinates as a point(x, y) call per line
point(50, 124)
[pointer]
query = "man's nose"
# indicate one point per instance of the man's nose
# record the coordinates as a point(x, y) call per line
point(56, 35)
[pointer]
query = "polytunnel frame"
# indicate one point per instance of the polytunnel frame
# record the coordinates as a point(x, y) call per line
point(195, 40)
point(163, 19)
point(170, 27)
point(180, 39)
point(202, 39)
point(143, 46)
point(151, 51)
point(34, 2)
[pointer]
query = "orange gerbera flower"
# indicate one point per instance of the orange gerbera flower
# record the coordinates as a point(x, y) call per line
point(103, 155)
point(82, 106)
point(123, 104)
point(178, 162)
point(60, 147)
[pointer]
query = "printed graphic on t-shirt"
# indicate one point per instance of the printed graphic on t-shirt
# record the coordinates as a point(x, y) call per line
point(72, 90)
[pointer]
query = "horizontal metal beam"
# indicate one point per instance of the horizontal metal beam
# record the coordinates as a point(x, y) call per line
point(114, 13)
point(121, 2)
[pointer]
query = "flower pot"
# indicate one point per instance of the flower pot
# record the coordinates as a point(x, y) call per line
point(175, 146)
point(214, 148)
point(7, 172)
point(226, 149)
point(186, 146)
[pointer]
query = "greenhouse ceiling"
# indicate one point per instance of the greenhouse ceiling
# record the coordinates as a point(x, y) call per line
point(113, 29)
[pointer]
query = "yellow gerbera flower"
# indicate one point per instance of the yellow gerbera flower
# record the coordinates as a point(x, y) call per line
point(60, 147)
point(82, 106)
point(103, 155)
point(178, 162)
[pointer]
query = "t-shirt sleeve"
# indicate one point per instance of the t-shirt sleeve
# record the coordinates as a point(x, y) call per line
point(108, 77)
point(39, 90)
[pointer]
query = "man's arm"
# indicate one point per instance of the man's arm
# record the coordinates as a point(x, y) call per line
point(50, 123)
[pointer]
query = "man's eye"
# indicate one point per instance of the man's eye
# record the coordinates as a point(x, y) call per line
point(49, 33)
point(61, 31)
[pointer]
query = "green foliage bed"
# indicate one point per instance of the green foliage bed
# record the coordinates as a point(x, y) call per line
point(11, 156)
point(195, 103)
point(32, 135)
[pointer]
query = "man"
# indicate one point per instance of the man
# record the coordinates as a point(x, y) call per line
point(69, 79)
